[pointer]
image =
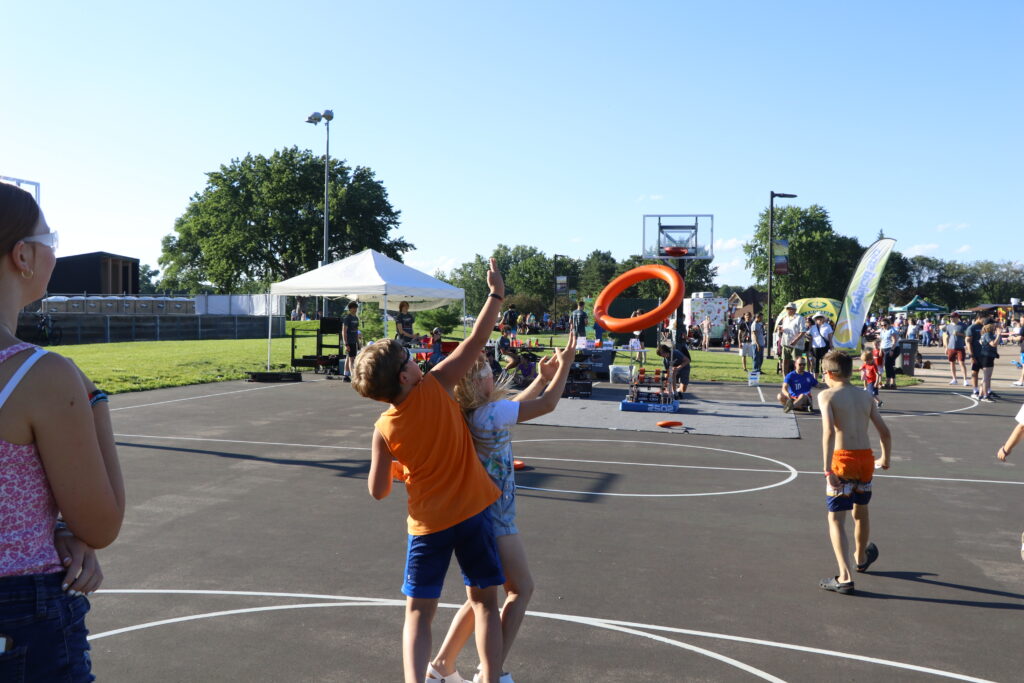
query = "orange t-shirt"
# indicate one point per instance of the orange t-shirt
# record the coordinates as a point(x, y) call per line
point(428, 435)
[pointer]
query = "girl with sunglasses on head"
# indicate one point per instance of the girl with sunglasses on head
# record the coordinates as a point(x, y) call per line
point(57, 457)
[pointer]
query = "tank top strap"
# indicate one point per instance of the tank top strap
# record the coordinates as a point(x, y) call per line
point(20, 373)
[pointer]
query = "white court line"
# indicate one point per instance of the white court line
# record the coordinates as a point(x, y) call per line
point(974, 404)
point(610, 624)
point(761, 394)
point(792, 472)
point(599, 462)
point(251, 443)
point(223, 393)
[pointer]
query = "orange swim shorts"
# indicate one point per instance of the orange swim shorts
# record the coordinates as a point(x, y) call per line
point(858, 465)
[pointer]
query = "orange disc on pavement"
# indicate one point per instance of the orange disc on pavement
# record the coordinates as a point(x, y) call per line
point(670, 423)
point(519, 464)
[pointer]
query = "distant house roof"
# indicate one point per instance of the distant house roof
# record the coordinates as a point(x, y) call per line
point(95, 254)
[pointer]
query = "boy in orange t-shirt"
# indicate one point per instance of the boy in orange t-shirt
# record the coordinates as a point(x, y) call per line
point(849, 465)
point(449, 490)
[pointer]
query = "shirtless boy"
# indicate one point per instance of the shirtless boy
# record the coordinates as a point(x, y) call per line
point(849, 465)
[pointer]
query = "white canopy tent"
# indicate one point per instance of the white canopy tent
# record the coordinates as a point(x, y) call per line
point(371, 276)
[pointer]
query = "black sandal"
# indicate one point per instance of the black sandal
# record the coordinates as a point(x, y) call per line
point(832, 584)
point(872, 552)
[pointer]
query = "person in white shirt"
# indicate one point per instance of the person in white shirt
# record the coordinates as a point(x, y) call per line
point(790, 332)
point(821, 340)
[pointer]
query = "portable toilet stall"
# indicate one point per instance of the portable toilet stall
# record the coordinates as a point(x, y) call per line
point(55, 304)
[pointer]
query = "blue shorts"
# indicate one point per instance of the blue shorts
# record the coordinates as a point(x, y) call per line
point(428, 557)
point(46, 627)
point(851, 493)
point(871, 388)
point(503, 512)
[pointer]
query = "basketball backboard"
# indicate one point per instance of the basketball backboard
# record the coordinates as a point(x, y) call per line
point(679, 236)
point(19, 182)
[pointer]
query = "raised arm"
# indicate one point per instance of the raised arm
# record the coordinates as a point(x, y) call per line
point(379, 482)
point(546, 370)
point(452, 369)
point(546, 403)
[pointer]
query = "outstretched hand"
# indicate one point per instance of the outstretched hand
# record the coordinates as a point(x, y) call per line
point(881, 463)
point(547, 368)
point(494, 279)
point(568, 354)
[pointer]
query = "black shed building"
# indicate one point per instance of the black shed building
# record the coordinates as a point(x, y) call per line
point(95, 273)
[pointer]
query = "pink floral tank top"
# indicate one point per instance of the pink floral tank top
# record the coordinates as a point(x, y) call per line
point(28, 512)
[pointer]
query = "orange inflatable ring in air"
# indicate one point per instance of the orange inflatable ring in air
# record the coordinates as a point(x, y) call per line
point(623, 282)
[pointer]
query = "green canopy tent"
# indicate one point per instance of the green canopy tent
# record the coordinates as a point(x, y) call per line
point(918, 305)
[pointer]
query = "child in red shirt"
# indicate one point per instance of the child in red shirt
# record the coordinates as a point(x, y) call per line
point(869, 373)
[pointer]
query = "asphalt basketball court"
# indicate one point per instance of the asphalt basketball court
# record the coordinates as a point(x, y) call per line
point(251, 549)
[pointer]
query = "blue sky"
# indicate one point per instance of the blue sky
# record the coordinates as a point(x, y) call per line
point(553, 124)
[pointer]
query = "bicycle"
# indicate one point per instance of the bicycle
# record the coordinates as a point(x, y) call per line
point(47, 332)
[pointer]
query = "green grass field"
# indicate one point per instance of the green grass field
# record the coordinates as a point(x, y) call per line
point(139, 366)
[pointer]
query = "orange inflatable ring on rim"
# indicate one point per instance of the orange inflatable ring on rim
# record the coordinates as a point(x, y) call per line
point(623, 282)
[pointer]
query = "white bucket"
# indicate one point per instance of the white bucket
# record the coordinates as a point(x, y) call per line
point(619, 374)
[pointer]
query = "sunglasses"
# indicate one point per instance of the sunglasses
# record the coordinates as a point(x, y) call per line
point(48, 239)
point(408, 357)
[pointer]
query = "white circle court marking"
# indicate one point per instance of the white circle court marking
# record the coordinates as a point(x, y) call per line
point(630, 628)
point(786, 469)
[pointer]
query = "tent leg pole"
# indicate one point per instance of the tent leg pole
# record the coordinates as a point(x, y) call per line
point(385, 313)
point(270, 322)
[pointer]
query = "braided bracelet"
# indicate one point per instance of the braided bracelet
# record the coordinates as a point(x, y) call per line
point(97, 396)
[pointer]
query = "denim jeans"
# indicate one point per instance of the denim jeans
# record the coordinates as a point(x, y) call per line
point(45, 629)
point(758, 358)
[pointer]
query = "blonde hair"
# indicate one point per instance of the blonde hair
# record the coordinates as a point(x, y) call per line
point(867, 357)
point(375, 372)
point(471, 396)
point(989, 329)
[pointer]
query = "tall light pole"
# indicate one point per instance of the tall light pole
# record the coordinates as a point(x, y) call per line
point(316, 117)
point(771, 263)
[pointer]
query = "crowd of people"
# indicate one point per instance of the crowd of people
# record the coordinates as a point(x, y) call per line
point(64, 494)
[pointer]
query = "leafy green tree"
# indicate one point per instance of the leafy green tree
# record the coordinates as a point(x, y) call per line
point(596, 271)
point(446, 317)
point(147, 279)
point(533, 277)
point(471, 277)
point(821, 261)
point(998, 282)
point(894, 286)
point(260, 219)
point(527, 304)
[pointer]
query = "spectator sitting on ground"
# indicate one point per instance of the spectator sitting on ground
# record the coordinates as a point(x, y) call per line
point(796, 389)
